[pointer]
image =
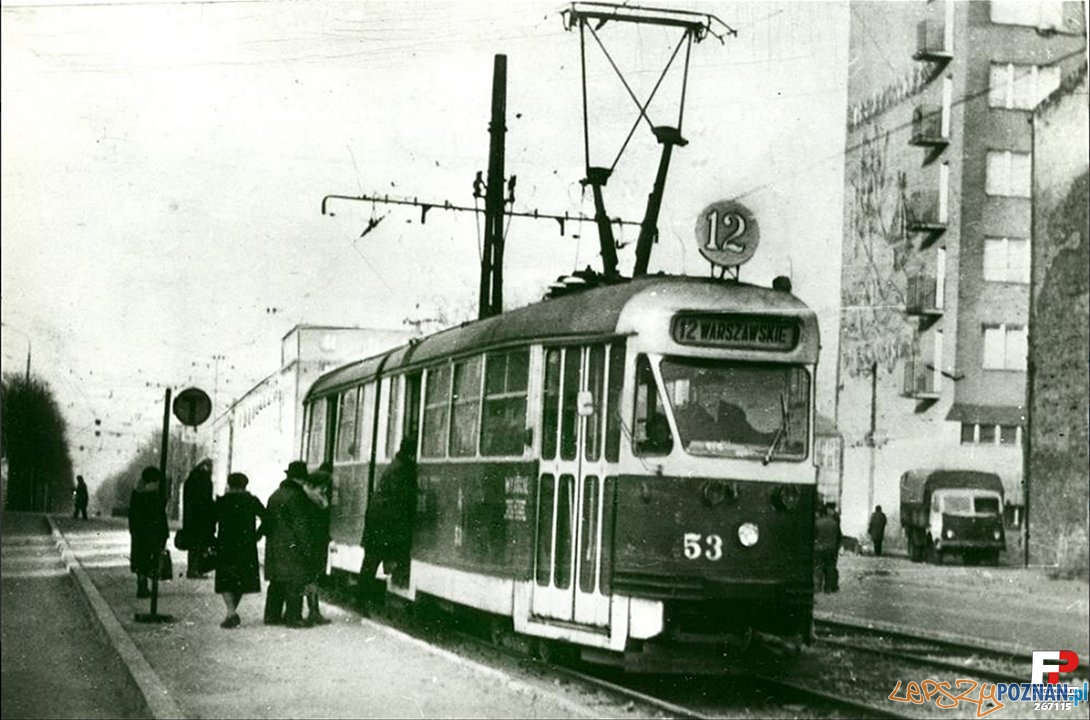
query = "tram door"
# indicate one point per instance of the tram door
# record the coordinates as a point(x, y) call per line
point(570, 490)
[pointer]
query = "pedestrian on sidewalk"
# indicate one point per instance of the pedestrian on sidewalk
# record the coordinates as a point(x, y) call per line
point(318, 487)
point(198, 519)
point(388, 525)
point(288, 545)
point(80, 499)
point(826, 549)
point(148, 529)
point(876, 528)
point(237, 514)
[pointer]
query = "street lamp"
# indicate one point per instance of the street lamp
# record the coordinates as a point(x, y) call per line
point(28, 346)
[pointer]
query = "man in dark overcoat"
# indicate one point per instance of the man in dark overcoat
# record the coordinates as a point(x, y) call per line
point(288, 545)
point(198, 518)
point(876, 528)
point(388, 525)
point(80, 499)
point(148, 529)
point(826, 548)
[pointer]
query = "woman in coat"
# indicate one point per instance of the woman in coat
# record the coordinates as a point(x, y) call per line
point(198, 520)
point(148, 529)
point(318, 487)
point(237, 514)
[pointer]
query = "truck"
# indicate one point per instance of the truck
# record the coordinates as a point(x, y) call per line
point(953, 511)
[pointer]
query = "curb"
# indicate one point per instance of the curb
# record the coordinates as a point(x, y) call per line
point(147, 681)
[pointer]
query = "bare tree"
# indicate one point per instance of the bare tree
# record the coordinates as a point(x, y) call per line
point(36, 446)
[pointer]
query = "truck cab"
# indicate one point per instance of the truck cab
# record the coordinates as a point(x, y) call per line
point(953, 511)
point(967, 521)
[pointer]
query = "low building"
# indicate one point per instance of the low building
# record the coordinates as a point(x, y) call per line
point(259, 434)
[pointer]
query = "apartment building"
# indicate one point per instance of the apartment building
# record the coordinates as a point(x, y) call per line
point(936, 255)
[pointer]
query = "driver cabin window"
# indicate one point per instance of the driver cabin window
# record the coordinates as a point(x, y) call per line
point(652, 434)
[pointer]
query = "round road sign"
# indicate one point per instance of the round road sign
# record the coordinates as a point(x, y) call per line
point(192, 407)
point(727, 233)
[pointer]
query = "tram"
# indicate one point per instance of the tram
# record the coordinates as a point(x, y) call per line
point(627, 469)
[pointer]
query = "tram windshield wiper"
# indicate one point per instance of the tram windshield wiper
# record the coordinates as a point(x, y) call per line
point(781, 431)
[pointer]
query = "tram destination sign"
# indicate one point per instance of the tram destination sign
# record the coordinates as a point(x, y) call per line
point(742, 332)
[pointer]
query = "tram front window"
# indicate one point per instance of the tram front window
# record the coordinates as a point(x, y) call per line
point(735, 409)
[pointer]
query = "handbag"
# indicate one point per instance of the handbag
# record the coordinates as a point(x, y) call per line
point(166, 565)
point(207, 561)
point(181, 541)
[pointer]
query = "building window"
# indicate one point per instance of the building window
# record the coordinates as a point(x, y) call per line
point(1032, 13)
point(1021, 87)
point(1006, 260)
point(1005, 347)
point(1008, 174)
point(973, 434)
point(1008, 434)
point(968, 433)
point(987, 435)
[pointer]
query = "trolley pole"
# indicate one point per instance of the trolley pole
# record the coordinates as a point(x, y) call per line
point(870, 436)
point(491, 291)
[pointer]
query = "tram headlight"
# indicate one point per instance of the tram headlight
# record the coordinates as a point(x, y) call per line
point(996, 534)
point(949, 534)
point(748, 534)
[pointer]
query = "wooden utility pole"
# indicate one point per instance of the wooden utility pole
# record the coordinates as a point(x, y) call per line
point(491, 292)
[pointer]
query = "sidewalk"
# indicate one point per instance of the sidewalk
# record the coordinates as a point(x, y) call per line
point(351, 668)
point(55, 662)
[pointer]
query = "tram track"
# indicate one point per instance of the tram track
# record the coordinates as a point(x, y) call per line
point(690, 697)
point(955, 655)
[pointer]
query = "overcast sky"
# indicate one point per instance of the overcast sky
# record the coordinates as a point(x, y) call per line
point(164, 165)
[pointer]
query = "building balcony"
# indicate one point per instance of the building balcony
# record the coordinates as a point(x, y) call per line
point(923, 212)
point(921, 382)
point(921, 297)
point(927, 127)
point(931, 42)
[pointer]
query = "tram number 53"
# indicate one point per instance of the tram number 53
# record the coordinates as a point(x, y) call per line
point(707, 546)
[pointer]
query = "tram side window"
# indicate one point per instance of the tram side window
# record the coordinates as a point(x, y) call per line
point(465, 407)
point(596, 362)
point(569, 410)
point(316, 436)
point(392, 414)
point(651, 432)
point(613, 401)
point(367, 419)
point(550, 416)
point(503, 425)
point(347, 445)
point(436, 412)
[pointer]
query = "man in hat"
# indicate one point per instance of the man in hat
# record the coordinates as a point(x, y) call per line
point(287, 548)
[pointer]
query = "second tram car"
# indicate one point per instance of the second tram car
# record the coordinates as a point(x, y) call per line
point(627, 469)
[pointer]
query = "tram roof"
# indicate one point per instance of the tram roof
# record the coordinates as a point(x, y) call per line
point(593, 312)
